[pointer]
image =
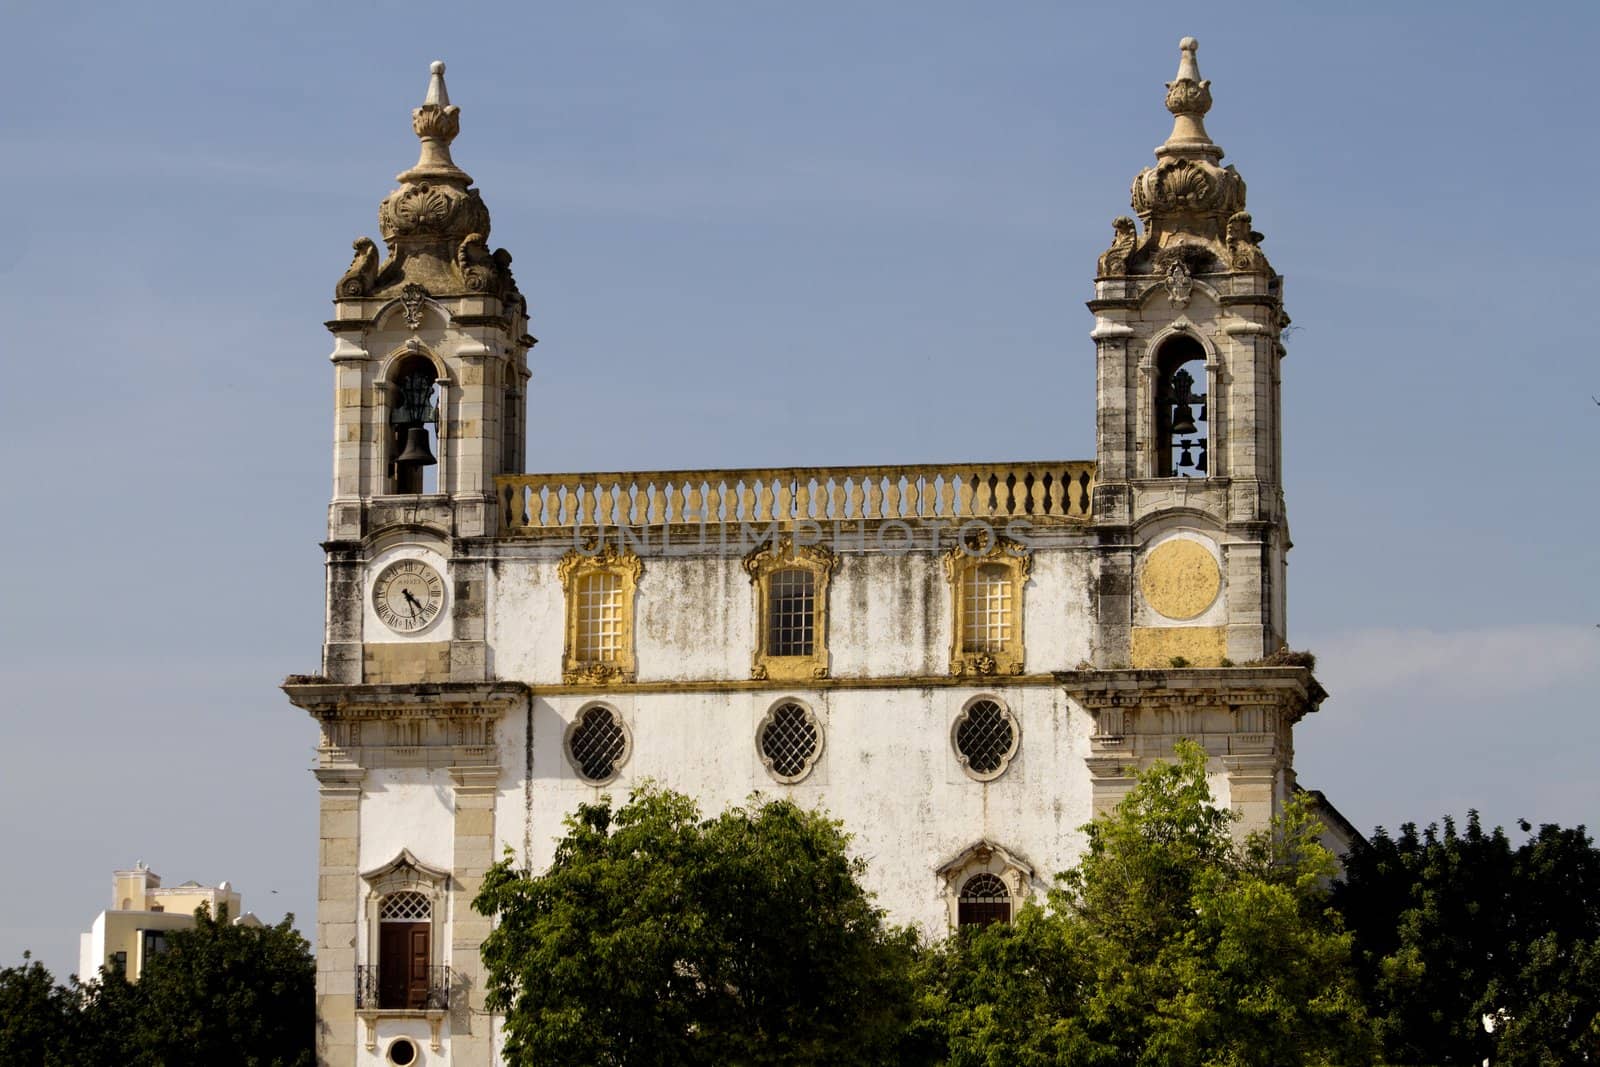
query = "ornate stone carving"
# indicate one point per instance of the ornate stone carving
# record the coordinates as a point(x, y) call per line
point(1188, 98)
point(411, 298)
point(363, 270)
point(580, 665)
point(475, 263)
point(959, 563)
point(1188, 194)
point(1179, 283)
point(761, 564)
point(1114, 260)
point(432, 210)
point(1188, 186)
point(1244, 246)
point(593, 674)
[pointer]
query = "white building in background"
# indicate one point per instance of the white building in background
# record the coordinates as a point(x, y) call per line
point(960, 661)
point(134, 929)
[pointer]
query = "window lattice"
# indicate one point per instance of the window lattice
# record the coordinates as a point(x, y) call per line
point(790, 740)
point(405, 908)
point(984, 900)
point(792, 595)
point(599, 618)
point(598, 744)
point(985, 736)
point(987, 625)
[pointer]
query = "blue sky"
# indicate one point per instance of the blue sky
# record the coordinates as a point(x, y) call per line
point(760, 234)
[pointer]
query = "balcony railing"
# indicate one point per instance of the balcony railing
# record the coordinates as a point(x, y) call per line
point(1059, 491)
point(370, 991)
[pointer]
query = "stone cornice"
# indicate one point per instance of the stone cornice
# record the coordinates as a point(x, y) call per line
point(1293, 688)
point(328, 700)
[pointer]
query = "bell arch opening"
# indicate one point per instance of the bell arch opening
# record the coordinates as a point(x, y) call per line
point(1182, 423)
point(412, 457)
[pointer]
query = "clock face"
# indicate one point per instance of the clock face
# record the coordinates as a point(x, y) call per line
point(408, 595)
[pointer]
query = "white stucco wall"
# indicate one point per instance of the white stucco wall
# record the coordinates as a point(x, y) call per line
point(887, 769)
point(888, 616)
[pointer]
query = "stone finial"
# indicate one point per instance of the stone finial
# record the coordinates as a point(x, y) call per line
point(1188, 98)
point(438, 96)
point(436, 124)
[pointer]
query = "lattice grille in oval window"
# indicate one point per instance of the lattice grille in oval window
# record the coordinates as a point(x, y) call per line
point(598, 744)
point(790, 740)
point(405, 908)
point(986, 738)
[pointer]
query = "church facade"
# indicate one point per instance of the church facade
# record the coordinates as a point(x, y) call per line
point(962, 662)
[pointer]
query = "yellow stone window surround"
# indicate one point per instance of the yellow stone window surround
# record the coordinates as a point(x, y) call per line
point(600, 588)
point(774, 568)
point(986, 587)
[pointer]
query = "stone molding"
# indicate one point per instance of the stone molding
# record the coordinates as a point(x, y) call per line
point(1243, 717)
point(446, 724)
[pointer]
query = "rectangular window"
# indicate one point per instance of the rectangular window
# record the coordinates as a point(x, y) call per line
point(792, 597)
point(155, 943)
point(987, 596)
point(600, 618)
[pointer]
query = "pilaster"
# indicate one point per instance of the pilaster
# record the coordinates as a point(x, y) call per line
point(475, 790)
point(337, 885)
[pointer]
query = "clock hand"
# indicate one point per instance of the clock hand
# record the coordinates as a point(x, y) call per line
point(416, 605)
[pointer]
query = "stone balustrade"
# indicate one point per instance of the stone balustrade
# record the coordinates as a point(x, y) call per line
point(1058, 491)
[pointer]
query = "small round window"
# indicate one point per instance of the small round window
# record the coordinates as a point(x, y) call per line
point(986, 738)
point(597, 743)
point(790, 740)
point(403, 1051)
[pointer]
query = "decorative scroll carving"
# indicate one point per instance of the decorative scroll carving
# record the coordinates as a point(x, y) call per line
point(475, 263)
point(1244, 245)
point(1113, 261)
point(363, 270)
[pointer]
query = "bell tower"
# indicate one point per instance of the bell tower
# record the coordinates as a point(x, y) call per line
point(430, 373)
point(1188, 509)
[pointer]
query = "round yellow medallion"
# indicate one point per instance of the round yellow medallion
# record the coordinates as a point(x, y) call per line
point(1181, 579)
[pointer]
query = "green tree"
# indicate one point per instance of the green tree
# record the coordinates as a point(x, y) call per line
point(36, 1016)
point(1168, 943)
point(659, 938)
point(229, 993)
point(109, 1019)
point(1455, 927)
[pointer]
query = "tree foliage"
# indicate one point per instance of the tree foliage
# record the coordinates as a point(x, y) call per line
point(1168, 943)
point(36, 1016)
point(659, 938)
point(227, 993)
point(220, 994)
point(1455, 927)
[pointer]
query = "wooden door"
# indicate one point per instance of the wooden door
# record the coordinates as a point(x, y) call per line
point(403, 964)
point(417, 977)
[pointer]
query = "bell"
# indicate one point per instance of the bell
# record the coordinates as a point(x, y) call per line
point(1201, 465)
point(1186, 460)
point(1183, 420)
point(417, 453)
